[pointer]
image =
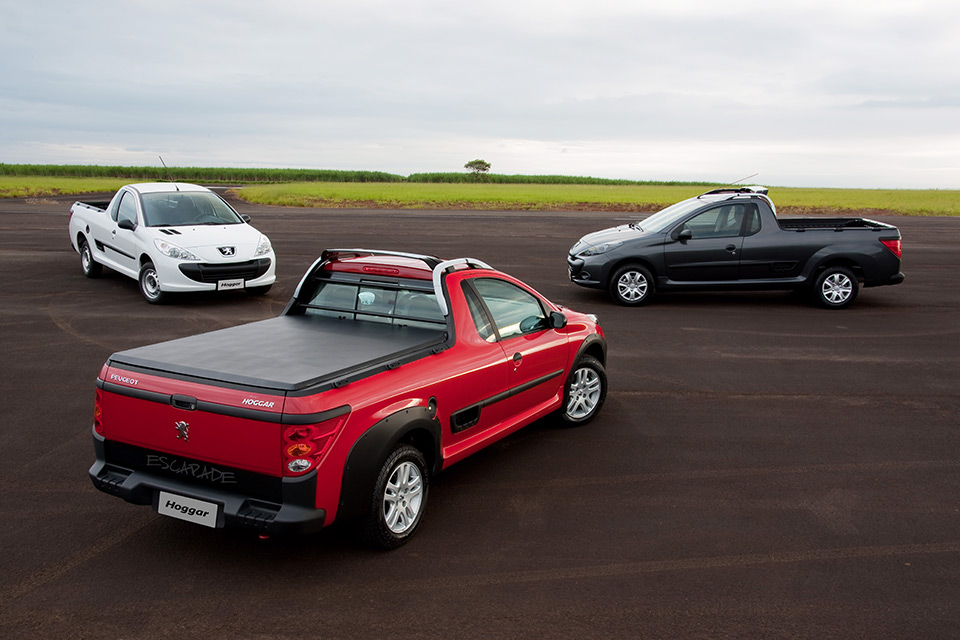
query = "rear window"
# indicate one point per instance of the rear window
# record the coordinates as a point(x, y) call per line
point(375, 302)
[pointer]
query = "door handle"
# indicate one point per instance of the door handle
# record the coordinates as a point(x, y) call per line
point(517, 359)
point(732, 248)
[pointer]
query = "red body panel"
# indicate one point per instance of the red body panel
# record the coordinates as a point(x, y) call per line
point(470, 372)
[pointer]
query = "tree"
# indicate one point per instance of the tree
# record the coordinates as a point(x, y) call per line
point(479, 167)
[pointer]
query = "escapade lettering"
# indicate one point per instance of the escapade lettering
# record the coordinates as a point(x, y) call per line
point(192, 469)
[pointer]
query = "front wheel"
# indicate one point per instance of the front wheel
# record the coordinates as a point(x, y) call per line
point(150, 285)
point(91, 268)
point(836, 288)
point(584, 391)
point(631, 285)
point(399, 499)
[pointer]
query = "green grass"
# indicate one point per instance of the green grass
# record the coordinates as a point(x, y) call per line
point(322, 188)
point(37, 186)
point(586, 197)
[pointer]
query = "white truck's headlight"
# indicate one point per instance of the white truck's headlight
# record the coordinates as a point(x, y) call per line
point(264, 247)
point(600, 248)
point(173, 251)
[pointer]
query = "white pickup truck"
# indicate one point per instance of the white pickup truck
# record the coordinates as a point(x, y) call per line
point(172, 238)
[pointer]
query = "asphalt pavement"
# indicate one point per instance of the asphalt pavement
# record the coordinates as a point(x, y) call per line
point(762, 468)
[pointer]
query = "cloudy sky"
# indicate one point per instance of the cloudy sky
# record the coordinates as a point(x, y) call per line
point(843, 93)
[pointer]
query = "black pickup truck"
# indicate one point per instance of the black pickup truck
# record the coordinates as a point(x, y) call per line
point(732, 239)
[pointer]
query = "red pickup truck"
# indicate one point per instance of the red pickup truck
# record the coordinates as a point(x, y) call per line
point(383, 369)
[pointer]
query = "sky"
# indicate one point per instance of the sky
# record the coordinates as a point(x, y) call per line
point(813, 93)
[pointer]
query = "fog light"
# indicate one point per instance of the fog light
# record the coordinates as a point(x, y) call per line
point(299, 465)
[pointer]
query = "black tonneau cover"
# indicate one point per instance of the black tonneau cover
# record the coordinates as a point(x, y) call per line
point(287, 353)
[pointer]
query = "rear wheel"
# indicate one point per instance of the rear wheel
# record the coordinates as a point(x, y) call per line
point(836, 288)
point(631, 285)
point(150, 285)
point(91, 268)
point(399, 499)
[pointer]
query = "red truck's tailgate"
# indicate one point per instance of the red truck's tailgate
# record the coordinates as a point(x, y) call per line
point(228, 426)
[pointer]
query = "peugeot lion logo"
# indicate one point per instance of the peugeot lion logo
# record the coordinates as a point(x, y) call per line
point(227, 251)
point(183, 430)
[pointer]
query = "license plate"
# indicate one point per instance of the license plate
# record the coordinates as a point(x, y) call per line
point(223, 285)
point(189, 509)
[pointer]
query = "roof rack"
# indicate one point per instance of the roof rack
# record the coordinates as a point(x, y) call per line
point(442, 268)
point(752, 189)
point(436, 265)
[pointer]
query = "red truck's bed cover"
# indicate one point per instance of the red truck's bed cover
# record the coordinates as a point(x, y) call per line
point(287, 353)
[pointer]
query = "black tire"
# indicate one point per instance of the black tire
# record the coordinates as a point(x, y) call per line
point(150, 285)
point(91, 268)
point(583, 392)
point(399, 499)
point(631, 285)
point(836, 288)
point(259, 291)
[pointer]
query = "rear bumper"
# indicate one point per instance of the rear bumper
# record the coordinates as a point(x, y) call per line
point(293, 514)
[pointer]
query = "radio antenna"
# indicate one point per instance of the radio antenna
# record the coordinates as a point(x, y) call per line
point(170, 178)
point(742, 179)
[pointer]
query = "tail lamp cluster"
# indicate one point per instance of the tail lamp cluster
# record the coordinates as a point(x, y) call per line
point(305, 445)
point(98, 412)
point(893, 245)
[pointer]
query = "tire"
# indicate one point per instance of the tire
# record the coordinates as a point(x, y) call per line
point(399, 499)
point(259, 291)
point(836, 288)
point(150, 285)
point(91, 268)
point(631, 285)
point(584, 392)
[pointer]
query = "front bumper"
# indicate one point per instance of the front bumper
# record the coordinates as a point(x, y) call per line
point(290, 511)
point(181, 277)
point(584, 273)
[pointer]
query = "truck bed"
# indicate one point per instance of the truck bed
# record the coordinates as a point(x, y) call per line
point(287, 353)
point(802, 224)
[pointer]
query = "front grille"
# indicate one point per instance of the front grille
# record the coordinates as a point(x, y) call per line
point(213, 273)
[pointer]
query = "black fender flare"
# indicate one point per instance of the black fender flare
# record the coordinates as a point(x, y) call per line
point(416, 425)
point(596, 346)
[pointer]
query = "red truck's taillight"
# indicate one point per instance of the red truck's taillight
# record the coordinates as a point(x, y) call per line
point(305, 445)
point(98, 413)
point(893, 245)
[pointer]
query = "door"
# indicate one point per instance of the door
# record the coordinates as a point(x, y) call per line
point(707, 246)
point(119, 245)
point(535, 351)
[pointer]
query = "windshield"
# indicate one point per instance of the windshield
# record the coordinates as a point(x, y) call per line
point(181, 208)
point(667, 217)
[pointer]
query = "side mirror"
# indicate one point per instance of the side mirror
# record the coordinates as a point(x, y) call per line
point(685, 235)
point(531, 324)
point(245, 217)
point(127, 223)
point(557, 320)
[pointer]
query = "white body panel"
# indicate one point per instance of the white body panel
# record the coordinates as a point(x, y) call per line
point(216, 246)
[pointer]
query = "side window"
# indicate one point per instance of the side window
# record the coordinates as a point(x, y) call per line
point(720, 222)
point(514, 310)
point(479, 314)
point(128, 208)
point(753, 220)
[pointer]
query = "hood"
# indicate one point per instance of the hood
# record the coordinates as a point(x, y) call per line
point(205, 241)
point(613, 234)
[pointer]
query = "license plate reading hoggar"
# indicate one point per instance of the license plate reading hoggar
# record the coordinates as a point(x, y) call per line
point(230, 284)
point(189, 509)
